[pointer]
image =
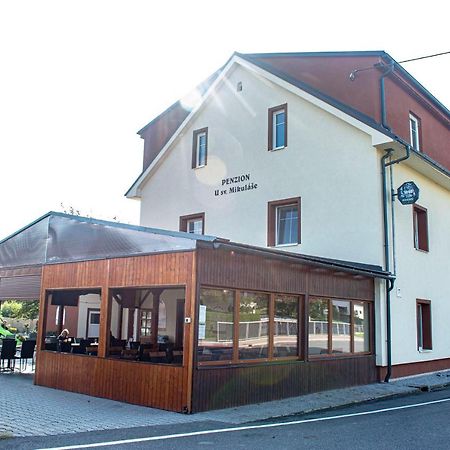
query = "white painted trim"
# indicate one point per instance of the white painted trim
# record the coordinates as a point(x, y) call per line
point(414, 119)
point(377, 137)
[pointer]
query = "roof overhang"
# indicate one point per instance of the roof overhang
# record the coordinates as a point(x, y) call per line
point(419, 162)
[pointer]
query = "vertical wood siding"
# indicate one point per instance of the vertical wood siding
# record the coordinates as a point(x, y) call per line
point(224, 268)
point(216, 388)
point(222, 387)
point(160, 386)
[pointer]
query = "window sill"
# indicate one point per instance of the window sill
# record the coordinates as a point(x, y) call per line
point(421, 250)
point(425, 350)
point(286, 245)
point(277, 148)
point(200, 167)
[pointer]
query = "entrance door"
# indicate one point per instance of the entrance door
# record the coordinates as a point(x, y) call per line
point(93, 323)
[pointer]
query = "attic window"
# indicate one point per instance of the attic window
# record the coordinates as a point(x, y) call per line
point(239, 86)
point(277, 127)
point(200, 148)
point(414, 131)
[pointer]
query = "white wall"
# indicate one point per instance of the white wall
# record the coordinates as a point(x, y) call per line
point(89, 301)
point(335, 170)
point(331, 165)
point(421, 275)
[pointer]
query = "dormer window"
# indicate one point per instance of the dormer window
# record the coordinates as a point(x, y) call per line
point(278, 127)
point(200, 148)
point(414, 131)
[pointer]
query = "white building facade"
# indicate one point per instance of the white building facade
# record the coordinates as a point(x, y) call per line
point(262, 161)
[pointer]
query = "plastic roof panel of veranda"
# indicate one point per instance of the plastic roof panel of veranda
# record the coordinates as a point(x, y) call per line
point(57, 238)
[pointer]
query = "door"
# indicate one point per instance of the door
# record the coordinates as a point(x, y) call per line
point(93, 323)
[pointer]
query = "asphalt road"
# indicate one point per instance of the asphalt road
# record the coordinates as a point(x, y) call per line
point(419, 421)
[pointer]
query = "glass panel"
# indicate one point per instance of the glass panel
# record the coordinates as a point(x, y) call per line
point(414, 128)
point(215, 325)
point(73, 321)
point(361, 317)
point(253, 325)
point(287, 225)
point(195, 226)
point(201, 150)
point(341, 326)
point(318, 327)
point(95, 318)
point(279, 129)
point(132, 336)
point(285, 340)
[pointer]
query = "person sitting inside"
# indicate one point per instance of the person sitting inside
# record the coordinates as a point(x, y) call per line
point(64, 341)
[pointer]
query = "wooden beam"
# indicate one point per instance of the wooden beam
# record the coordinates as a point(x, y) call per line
point(105, 316)
point(155, 316)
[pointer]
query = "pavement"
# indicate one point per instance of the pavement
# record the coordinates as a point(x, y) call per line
point(29, 410)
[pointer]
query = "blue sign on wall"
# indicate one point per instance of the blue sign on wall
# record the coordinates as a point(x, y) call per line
point(408, 193)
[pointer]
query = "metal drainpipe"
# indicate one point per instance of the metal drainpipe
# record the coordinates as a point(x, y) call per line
point(389, 70)
point(390, 285)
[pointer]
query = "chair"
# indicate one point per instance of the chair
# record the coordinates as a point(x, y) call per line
point(51, 343)
point(9, 348)
point(26, 353)
point(81, 348)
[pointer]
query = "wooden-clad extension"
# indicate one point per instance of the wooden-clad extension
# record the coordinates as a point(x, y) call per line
point(192, 386)
point(228, 385)
point(157, 385)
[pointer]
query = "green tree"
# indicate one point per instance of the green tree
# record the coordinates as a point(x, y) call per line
point(30, 310)
point(12, 309)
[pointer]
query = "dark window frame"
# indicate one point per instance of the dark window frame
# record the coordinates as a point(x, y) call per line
point(420, 229)
point(195, 147)
point(183, 226)
point(352, 352)
point(272, 219)
point(271, 112)
point(424, 325)
point(271, 307)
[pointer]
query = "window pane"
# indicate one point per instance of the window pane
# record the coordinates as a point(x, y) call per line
point(215, 325)
point(362, 326)
point(318, 327)
point(201, 150)
point(253, 325)
point(414, 131)
point(341, 326)
point(287, 225)
point(279, 124)
point(285, 340)
point(195, 226)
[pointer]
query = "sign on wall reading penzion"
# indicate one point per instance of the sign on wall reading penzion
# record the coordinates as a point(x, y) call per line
point(232, 185)
point(408, 193)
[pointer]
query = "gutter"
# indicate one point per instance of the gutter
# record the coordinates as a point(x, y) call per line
point(391, 282)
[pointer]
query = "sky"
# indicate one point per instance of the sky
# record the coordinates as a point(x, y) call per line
point(78, 79)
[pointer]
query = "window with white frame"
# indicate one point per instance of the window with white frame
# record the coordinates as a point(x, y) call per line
point(278, 127)
point(414, 127)
point(200, 148)
point(283, 222)
point(287, 225)
point(195, 226)
point(194, 223)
